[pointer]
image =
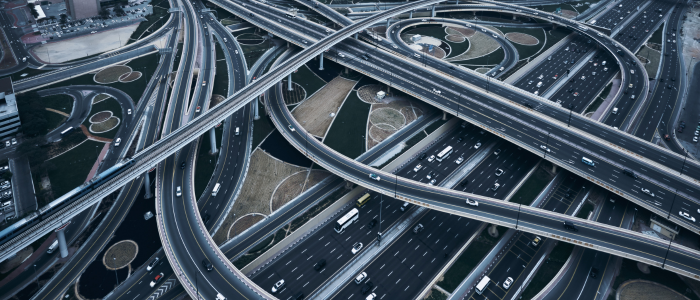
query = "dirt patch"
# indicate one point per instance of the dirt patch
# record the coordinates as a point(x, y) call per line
point(100, 117)
point(647, 290)
point(105, 126)
point(264, 173)
point(99, 98)
point(465, 32)
point(522, 38)
point(120, 254)
point(455, 38)
point(111, 74)
point(12, 263)
point(386, 118)
point(315, 113)
point(244, 223)
point(377, 134)
point(130, 77)
point(569, 14)
point(368, 93)
point(480, 45)
point(389, 116)
point(294, 185)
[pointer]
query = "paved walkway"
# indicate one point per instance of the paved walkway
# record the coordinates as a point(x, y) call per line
point(102, 155)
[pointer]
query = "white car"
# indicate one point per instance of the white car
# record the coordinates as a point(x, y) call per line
point(499, 172)
point(152, 264)
point(374, 176)
point(278, 286)
point(116, 143)
point(356, 248)
point(128, 111)
point(371, 296)
point(291, 128)
point(695, 139)
point(648, 192)
point(432, 182)
point(543, 147)
point(417, 168)
point(508, 282)
point(686, 216)
point(431, 158)
point(360, 278)
point(178, 191)
point(424, 20)
point(477, 145)
point(472, 202)
point(459, 160)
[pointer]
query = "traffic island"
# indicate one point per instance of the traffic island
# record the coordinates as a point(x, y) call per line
point(120, 255)
point(646, 290)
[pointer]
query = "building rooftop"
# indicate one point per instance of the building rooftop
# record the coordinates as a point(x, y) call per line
point(6, 85)
point(8, 103)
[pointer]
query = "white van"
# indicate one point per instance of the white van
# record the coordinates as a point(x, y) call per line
point(238, 131)
point(225, 40)
point(614, 111)
point(539, 84)
point(53, 247)
point(588, 161)
point(215, 191)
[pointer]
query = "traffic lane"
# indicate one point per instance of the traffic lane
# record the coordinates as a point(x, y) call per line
point(514, 163)
point(403, 268)
point(584, 86)
point(327, 244)
point(610, 17)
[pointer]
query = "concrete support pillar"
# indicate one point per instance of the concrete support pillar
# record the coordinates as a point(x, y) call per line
point(257, 113)
point(514, 17)
point(147, 186)
point(356, 35)
point(387, 24)
point(410, 14)
point(388, 90)
point(457, 2)
point(432, 12)
point(554, 169)
point(287, 44)
point(346, 70)
point(61, 234)
point(289, 82)
point(212, 141)
point(320, 67)
point(493, 231)
point(444, 115)
point(348, 185)
point(554, 26)
point(644, 268)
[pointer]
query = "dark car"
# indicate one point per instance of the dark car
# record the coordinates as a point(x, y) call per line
point(570, 226)
point(320, 264)
point(205, 218)
point(299, 296)
point(465, 182)
point(422, 156)
point(367, 288)
point(372, 223)
point(207, 265)
point(680, 128)
point(594, 273)
point(182, 165)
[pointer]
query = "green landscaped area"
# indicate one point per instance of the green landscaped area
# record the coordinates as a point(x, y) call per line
point(533, 186)
point(222, 77)
point(629, 271)
point(58, 102)
point(435, 126)
point(474, 253)
point(658, 36)
point(159, 17)
point(436, 295)
point(347, 133)
point(651, 60)
point(106, 105)
point(599, 100)
point(544, 275)
point(71, 168)
point(206, 163)
point(261, 128)
point(253, 52)
point(490, 59)
point(308, 80)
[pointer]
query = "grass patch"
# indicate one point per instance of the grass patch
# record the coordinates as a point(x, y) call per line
point(546, 273)
point(599, 100)
point(76, 162)
point(206, 163)
point(532, 187)
point(222, 76)
point(469, 259)
point(435, 126)
point(629, 271)
point(658, 36)
point(160, 15)
point(111, 74)
point(652, 58)
point(436, 295)
point(347, 133)
point(58, 102)
point(261, 128)
point(308, 80)
point(253, 52)
point(110, 105)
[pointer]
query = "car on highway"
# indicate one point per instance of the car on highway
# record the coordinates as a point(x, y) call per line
point(14, 141)
point(687, 216)
point(418, 228)
point(278, 286)
point(198, 109)
point(648, 192)
point(477, 145)
point(156, 280)
point(472, 202)
point(497, 152)
point(593, 273)
point(431, 158)
point(575, 94)
point(371, 296)
point(116, 142)
point(128, 111)
point(459, 160)
point(374, 176)
point(207, 265)
point(430, 175)
point(496, 186)
point(507, 283)
point(372, 223)
point(543, 147)
point(418, 168)
point(695, 139)
point(432, 182)
point(320, 264)
point(499, 172)
point(356, 247)
point(178, 191)
point(152, 264)
point(291, 128)
point(360, 278)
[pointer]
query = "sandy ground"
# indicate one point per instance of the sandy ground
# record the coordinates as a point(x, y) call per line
point(480, 45)
point(646, 290)
point(90, 44)
point(293, 186)
point(264, 173)
point(314, 113)
point(522, 38)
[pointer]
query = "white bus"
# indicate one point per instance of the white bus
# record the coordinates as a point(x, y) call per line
point(67, 131)
point(215, 191)
point(351, 217)
point(481, 287)
point(444, 153)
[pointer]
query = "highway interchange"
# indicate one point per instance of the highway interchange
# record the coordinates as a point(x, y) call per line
point(557, 139)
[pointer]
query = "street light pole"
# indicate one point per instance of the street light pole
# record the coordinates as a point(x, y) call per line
point(379, 232)
point(114, 259)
